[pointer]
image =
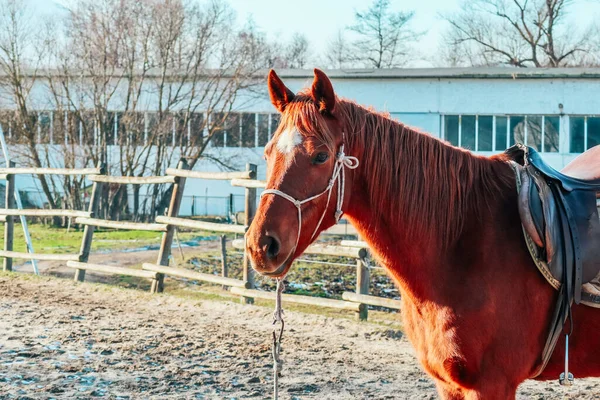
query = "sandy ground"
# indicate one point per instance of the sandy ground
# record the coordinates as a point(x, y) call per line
point(65, 340)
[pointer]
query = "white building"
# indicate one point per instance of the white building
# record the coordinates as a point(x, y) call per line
point(486, 110)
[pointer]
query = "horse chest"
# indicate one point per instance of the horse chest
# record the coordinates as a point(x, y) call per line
point(432, 332)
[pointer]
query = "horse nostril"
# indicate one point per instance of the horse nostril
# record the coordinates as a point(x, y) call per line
point(271, 246)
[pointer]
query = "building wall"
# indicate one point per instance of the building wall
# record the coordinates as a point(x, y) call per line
point(422, 103)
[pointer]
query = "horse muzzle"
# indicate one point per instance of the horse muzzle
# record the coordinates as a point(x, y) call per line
point(267, 254)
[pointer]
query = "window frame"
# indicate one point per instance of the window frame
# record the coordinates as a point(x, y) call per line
point(509, 134)
point(585, 130)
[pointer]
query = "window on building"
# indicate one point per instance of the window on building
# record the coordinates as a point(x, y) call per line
point(275, 119)
point(89, 128)
point(533, 132)
point(59, 133)
point(217, 129)
point(107, 132)
point(43, 127)
point(593, 132)
point(584, 133)
point(131, 130)
point(8, 120)
point(263, 130)
point(180, 131)
point(517, 129)
point(485, 132)
point(467, 139)
point(196, 129)
point(248, 129)
point(232, 130)
point(71, 128)
point(551, 134)
point(451, 123)
point(496, 133)
point(167, 129)
point(501, 133)
point(160, 128)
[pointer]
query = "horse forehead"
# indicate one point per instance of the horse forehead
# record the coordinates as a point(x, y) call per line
point(288, 140)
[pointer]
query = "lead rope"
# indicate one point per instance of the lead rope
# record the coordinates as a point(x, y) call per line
point(277, 317)
point(338, 176)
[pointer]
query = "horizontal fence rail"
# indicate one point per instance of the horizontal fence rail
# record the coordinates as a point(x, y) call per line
point(354, 243)
point(53, 212)
point(193, 275)
point(249, 183)
point(223, 176)
point(50, 171)
point(320, 249)
point(372, 300)
point(111, 269)
point(39, 256)
point(133, 180)
point(295, 298)
point(132, 226)
point(201, 225)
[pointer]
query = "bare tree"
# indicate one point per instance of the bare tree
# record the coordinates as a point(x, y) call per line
point(522, 33)
point(296, 52)
point(135, 85)
point(338, 52)
point(20, 60)
point(384, 37)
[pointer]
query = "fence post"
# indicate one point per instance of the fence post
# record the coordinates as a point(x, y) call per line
point(63, 219)
point(224, 271)
point(158, 284)
point(250, 211)
point(88, 230)
point(362, 284)
point(9, 225)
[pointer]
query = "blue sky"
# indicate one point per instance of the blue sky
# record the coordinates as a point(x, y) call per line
point(320, 20)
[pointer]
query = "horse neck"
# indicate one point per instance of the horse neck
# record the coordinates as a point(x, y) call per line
point(410, 252)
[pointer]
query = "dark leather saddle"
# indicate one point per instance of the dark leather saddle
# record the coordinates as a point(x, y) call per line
point(559, 215)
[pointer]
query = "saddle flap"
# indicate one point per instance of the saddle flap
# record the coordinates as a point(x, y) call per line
point(530, 208)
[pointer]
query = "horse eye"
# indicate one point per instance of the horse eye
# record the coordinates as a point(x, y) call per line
point(321, 158)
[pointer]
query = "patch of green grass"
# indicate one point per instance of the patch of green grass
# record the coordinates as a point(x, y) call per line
point(19, 275)
point(47, 239)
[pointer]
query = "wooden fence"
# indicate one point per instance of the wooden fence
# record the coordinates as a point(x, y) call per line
point(156, 272)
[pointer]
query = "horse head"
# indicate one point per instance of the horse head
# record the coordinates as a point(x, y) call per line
point(307, 181)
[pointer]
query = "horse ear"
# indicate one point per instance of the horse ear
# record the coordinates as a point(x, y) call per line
point(279, 93)
point(322, 92)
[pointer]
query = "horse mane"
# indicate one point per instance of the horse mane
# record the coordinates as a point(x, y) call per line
point(423, 184)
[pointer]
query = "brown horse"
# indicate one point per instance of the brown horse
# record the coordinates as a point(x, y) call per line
point(444, 223)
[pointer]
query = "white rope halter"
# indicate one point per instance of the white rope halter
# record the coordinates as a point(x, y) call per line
point(338, 176)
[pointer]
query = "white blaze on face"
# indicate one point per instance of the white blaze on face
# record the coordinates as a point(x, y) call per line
point(288, 140)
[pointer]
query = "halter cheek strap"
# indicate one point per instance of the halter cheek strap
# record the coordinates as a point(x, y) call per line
point(338, 176)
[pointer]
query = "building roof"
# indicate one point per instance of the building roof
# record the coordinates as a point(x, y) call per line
point(392, 73)
point(450, 73)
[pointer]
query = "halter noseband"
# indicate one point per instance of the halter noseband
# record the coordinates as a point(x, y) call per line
point(339, 176)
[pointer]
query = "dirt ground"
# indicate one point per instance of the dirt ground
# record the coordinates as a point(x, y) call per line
point(61, 340)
